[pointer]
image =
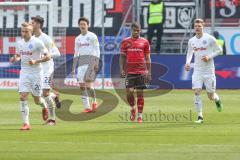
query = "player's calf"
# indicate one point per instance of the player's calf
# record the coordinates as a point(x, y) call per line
point(216, 99)
point(140, 104)
point(131, 102)
point(41, 102)
point(51, 107)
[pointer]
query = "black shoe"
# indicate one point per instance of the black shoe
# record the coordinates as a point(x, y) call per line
point(57, 102)
point(200, 120)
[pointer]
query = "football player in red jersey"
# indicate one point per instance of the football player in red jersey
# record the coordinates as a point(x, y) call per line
point(135, 66)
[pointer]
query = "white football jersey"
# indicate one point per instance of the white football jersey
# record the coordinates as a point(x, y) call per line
point(87, 45)
point(30, 50)
point(48, 66)
point(204, 46)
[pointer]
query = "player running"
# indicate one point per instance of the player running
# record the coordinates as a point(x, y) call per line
point(32, 53)
point(87, 54)
point(135, 65)
point(48, 68)
point(204, 48)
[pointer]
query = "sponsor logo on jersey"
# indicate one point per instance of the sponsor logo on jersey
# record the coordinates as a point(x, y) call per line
point(135, 50)
point(30, 46)
point(128, 44)
point(204, 42)
point(25, 53)
point(84, 44)
point(199, 49)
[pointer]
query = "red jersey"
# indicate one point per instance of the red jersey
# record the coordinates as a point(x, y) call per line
point(135, 51)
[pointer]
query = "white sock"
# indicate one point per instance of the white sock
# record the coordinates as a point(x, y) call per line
point(86, 102)
point(216, 97)
point(92, 93)
point(140, 115)
point(85, 99)
point(25, 111)
point(198, 105)
point(53, 95)
point(51, 107)
point(42, 103)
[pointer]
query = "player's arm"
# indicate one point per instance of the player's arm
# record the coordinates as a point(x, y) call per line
point(189, 57)
point(97, 53)
point(217, 50)
point(75, 57)
point(55, 51)
point(148, 64)
point(52, 48)
point(46, 57)
point(123, 64)
point(15, 58)
point(123, 60)
point(148, 61)
point(43, 51)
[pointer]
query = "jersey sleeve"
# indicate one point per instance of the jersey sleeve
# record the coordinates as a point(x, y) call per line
point(52, 47)
point(217, 49)
point(48, 42)
point(189, 53)
point(41, 47)
point(147, 48)
point(95, 44)
point(76, 49)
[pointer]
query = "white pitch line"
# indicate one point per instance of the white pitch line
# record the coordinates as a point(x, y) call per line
point(93, 143)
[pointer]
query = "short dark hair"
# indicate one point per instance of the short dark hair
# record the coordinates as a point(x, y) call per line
point(38, 19)
point(135, 25)
point(83, 19)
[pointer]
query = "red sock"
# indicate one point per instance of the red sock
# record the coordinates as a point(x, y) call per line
point(140, 104)
point(131, 100)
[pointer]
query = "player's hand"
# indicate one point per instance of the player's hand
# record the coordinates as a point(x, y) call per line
point(12, 59)
point(205, 58)
point(96, 68)
point(123, 74)
point(32, 62)
point(187, 67)
point(73, 73)
point(148, 78)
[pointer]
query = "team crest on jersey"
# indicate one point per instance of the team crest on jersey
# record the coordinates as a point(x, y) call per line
point(204, 42)
point(87, 38)
point(128, 45)
point(30, 46)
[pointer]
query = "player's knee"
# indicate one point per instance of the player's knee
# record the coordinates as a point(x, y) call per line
point(23, 97)
point(82, 88)
point(89, 87)
point(46, 93)
point(211, 96)
point(197, 93)
point(36, 100)
point(139, 94)
point(130, 91)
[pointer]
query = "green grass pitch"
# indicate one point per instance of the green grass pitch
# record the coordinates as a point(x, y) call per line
point(113, 137)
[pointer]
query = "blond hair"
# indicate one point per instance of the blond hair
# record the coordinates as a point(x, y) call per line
point(199, 20)
point(27, 25)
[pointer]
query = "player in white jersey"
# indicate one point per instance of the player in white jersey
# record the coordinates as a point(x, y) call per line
point(48, 68)
point(32, 53)
point(87, 54)
point(204, 48)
